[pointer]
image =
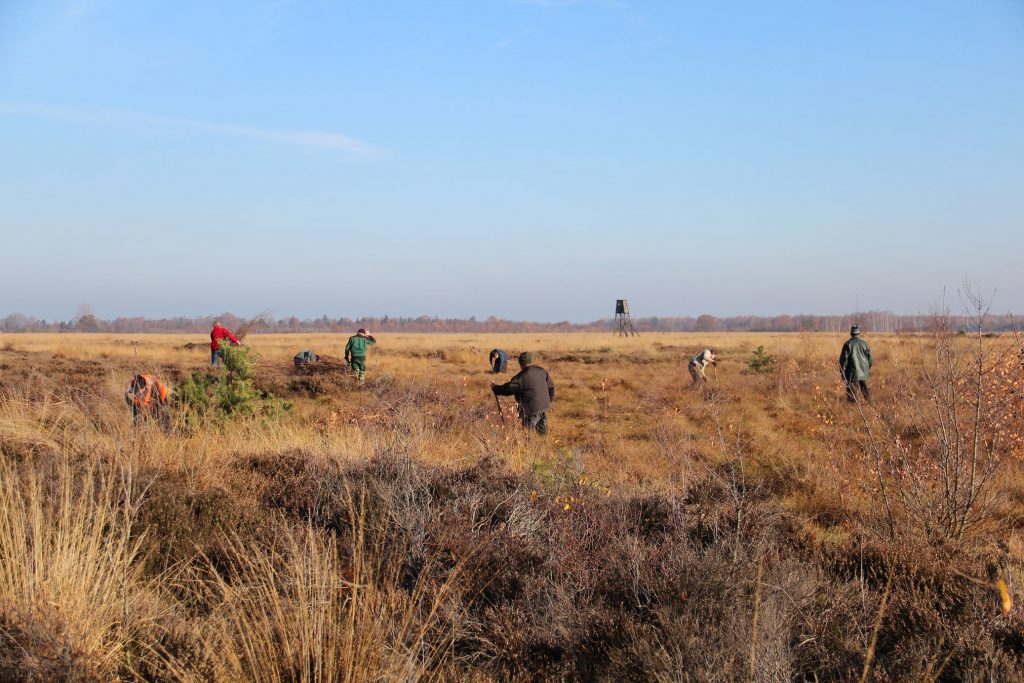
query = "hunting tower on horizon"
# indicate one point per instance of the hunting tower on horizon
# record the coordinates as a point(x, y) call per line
point(623, 323)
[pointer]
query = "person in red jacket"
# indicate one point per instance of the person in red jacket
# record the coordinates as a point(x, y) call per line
point(216, 335)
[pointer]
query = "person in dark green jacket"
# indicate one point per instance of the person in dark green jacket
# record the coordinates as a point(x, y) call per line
point(355, 352)
point(855, 364)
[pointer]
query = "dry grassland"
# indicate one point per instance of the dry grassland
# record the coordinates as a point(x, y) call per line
point(759, 529)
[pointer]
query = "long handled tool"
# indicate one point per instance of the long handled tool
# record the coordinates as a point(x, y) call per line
point(498, 403)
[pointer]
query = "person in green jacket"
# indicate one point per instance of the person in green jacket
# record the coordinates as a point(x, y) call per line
point(855, 364)
point(355, 352)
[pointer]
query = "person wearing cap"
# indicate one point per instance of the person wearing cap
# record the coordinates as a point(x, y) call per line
point(698, 363)
point(355, 352)
point(533, 390)
point(855, 364)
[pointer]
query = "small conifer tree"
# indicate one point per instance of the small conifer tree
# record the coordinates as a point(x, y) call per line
point(228, 393)
point(761, 362)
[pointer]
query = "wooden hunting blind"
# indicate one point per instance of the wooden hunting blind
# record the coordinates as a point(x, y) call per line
point(623, 323)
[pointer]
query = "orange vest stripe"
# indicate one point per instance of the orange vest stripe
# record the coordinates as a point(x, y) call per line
point(143, 395)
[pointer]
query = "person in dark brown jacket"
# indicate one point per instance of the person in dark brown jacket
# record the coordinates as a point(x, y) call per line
point(533, 390)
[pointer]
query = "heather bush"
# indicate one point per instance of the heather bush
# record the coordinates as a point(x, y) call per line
point(401, 530)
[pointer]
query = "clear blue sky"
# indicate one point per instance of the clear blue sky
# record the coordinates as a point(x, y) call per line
point(526, 159)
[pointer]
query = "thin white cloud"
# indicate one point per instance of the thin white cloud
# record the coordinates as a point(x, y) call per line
point(121, 117)
point(657, 41)
point(548, 3)
point(511, 40)
point(77, 11)
point(620, 4)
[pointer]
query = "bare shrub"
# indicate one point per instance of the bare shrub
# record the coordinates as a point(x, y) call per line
point(936, 449)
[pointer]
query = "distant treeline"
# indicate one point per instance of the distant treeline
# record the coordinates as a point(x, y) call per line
point(872, 321)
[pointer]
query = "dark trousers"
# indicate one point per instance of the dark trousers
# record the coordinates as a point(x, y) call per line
point(851, 389)
point(697, 373)
point(537, 421)
point(155, 410)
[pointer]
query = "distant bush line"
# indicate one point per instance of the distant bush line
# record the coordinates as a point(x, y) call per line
point(871, 321)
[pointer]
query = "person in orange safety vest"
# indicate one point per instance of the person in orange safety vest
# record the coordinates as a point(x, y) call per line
point(147, 395)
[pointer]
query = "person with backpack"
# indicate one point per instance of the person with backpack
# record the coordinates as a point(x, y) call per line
point(355, 352)
point(146, 395)
point(499, 360)
point(698, 363)
point(855, 365)
point(218, 334)
point(533, 390)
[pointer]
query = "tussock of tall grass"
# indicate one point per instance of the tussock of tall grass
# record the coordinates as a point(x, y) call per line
point(303, 609)
point(69, 577)
point(28, 426)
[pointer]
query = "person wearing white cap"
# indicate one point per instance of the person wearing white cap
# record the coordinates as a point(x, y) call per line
point(855, 364)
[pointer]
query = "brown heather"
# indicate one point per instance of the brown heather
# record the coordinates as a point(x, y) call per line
point(760, 530)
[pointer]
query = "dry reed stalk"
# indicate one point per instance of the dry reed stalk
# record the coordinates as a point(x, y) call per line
point(870, 655)
point(757, 613)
